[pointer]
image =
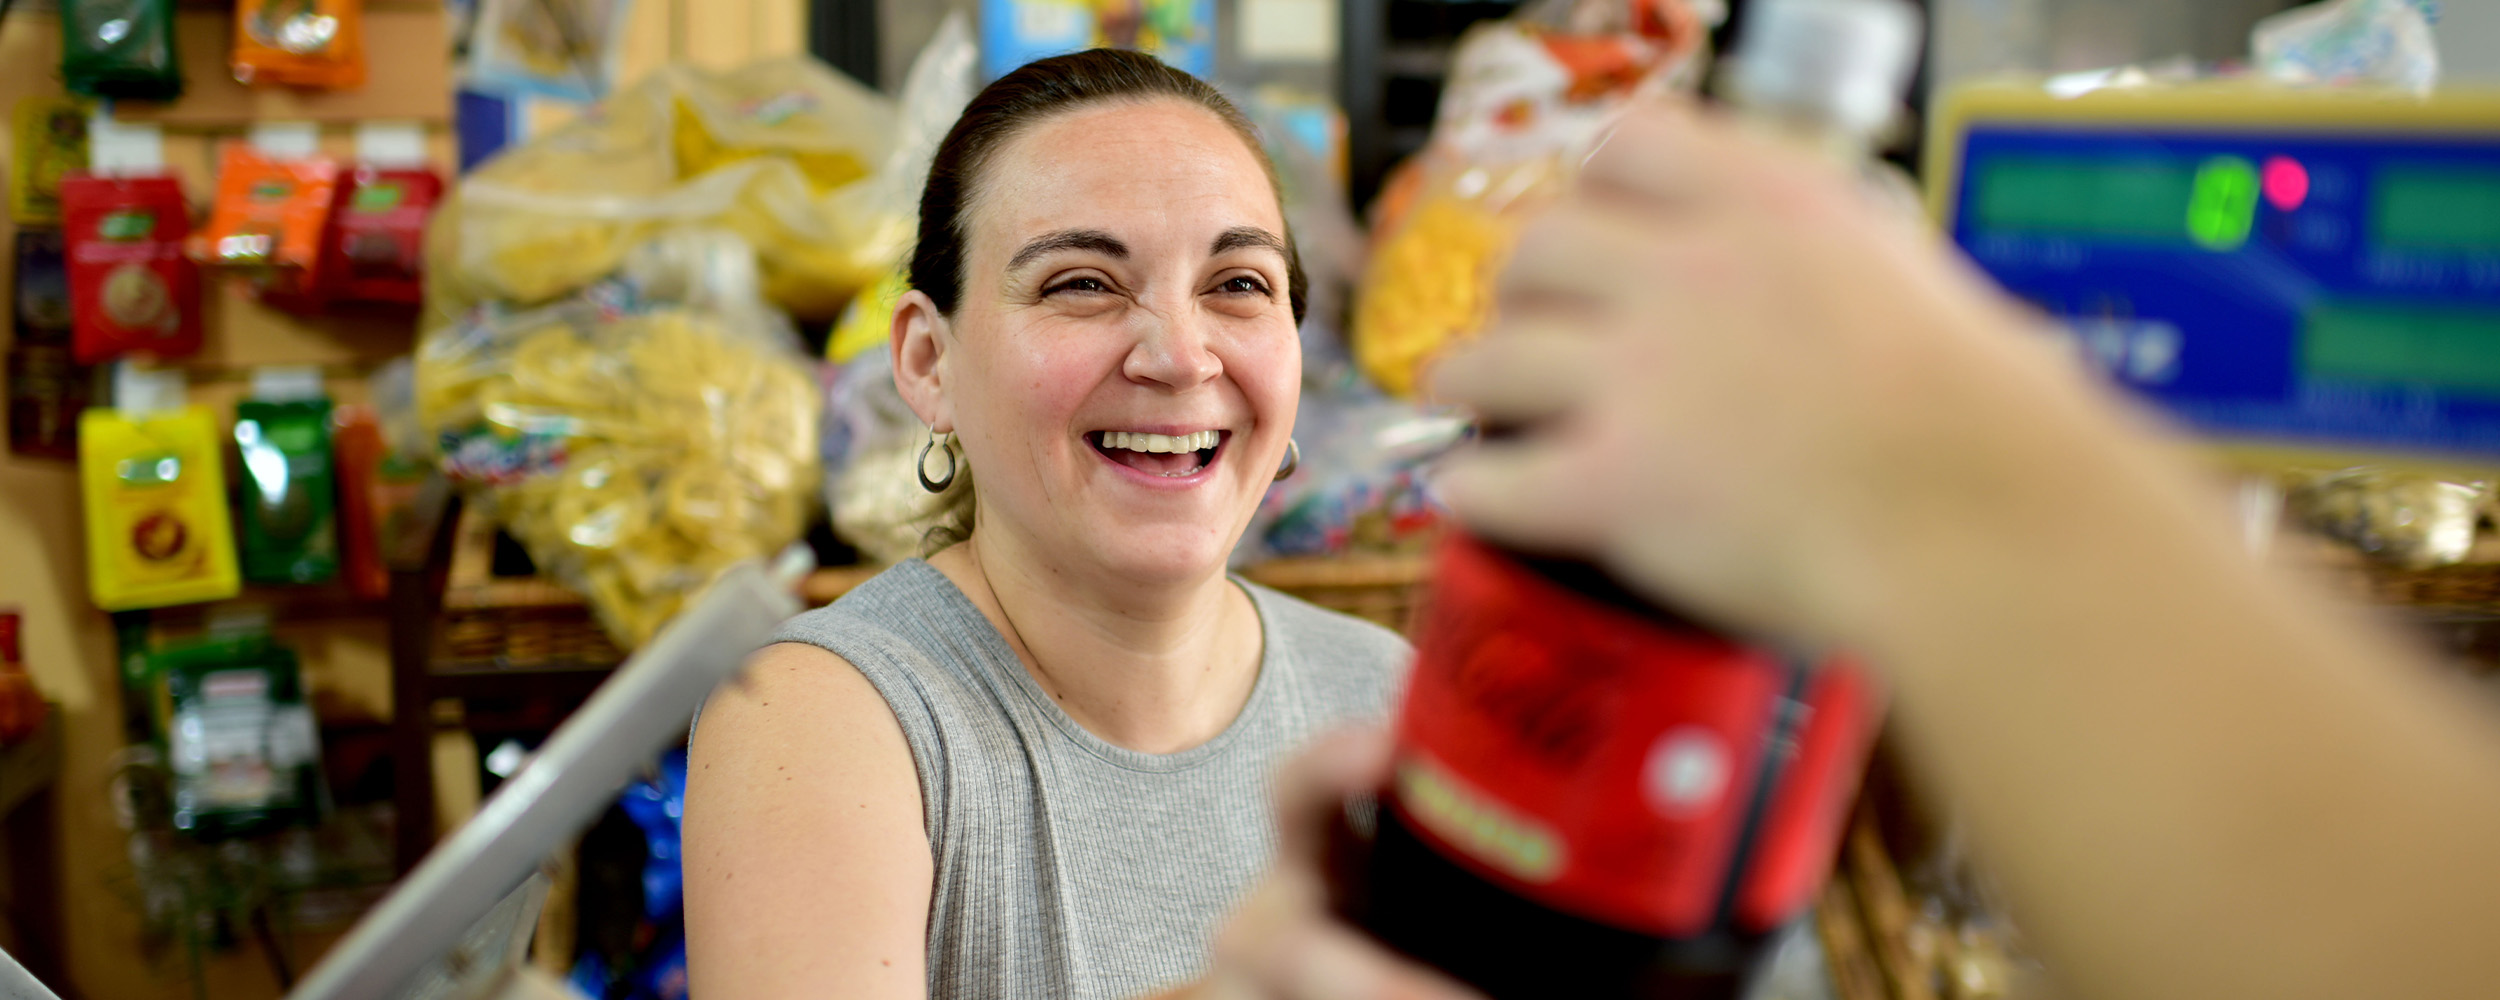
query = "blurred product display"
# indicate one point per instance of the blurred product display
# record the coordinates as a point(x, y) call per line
point(120, 49)
point(289, 479)
point(159, 525)
point(635, 445)
point(268, 217)
point(50, 139)
point(1527, 98)
point(21, 706)
point(300, 43)
point(132, 291)
point(780, 152)
point(617, 280)
point(564, 48)
point(2411, 520)
point(244, 751)
point(47, 387)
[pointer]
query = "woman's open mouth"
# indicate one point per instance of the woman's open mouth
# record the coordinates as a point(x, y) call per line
point(1171, 456)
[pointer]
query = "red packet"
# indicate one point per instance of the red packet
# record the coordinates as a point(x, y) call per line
point(131, 289)
point(377, 249)
point(377, 489)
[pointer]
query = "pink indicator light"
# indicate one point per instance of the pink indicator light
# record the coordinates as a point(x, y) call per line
point(2286, 182)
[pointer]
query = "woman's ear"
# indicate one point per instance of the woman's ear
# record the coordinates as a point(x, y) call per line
point(919, 341)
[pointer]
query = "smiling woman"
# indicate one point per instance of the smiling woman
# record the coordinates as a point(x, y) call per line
point(1035, 764)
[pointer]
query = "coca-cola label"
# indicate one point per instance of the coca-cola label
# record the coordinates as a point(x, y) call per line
point(1606, 763)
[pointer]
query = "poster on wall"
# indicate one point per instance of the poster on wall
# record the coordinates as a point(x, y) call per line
point(1015, 32)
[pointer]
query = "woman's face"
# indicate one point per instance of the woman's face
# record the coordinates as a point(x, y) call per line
point(1122, 367)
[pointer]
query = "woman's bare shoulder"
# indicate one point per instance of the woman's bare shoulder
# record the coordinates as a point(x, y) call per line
point(807, 862)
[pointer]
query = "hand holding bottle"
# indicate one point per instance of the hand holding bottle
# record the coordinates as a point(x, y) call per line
point(1745, 386)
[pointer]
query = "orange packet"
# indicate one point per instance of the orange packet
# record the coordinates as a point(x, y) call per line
point(269, 214)
point(300, 43)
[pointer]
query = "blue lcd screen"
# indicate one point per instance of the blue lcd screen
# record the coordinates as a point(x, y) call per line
point(2341, 292)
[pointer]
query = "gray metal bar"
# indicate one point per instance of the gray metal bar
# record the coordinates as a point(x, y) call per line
point(18, 984)
point(574, 776)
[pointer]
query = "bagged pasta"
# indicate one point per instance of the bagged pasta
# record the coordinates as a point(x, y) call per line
point(776, 152)
point(819, 174)
point(871, 441)
point(636, 443)
point(1527, 98)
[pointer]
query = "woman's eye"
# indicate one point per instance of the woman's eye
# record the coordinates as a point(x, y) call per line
point(1244, 285)
point(1077, 285)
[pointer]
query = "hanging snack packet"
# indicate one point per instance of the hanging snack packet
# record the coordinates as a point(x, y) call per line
point(51, 144)
point(269, 215)
point(157, 525)
point(300, 43)
point(46, 389)
point(289, 487)
point(566, 49)
point(246, 750)
point(1527, 98)
point(120, 48)
point(131, 289)
point(376, 488)
point(376, 249)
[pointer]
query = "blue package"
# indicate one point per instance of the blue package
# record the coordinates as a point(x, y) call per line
point(1015, 32)
point(484, 123)
point(658, 806)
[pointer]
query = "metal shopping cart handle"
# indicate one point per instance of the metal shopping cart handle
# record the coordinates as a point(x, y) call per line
point(460, 908)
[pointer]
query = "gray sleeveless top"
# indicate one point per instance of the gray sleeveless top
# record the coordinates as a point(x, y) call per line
point(1066, 866)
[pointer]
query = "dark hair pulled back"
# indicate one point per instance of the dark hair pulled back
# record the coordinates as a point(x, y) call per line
point(1022, 99)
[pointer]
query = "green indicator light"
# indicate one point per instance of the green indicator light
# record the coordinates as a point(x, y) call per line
point(2223, 203)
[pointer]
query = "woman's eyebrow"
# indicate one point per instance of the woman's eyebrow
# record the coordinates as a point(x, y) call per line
point(1247, 237)
point(1068, 239)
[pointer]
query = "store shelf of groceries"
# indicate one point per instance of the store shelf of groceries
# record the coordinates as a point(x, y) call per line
point(507, 623)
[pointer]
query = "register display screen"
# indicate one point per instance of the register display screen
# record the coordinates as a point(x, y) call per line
point(2338, 291)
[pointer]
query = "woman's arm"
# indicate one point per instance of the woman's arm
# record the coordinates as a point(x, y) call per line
point(1756, 398)
point(807, 860)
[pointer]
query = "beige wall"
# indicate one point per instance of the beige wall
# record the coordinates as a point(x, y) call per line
point(42, 563)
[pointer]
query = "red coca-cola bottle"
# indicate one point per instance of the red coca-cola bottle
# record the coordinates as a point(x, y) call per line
point(1595, 797)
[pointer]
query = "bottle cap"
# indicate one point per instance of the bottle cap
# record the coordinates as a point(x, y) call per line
point(1845, 63)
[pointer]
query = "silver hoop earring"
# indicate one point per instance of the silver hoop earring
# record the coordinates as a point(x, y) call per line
point(920, 467)
point(1293, 459)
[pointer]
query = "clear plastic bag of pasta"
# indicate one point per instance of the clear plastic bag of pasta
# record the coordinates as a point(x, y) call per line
point(778, 151)
point(636, 440)
point(1527, 97)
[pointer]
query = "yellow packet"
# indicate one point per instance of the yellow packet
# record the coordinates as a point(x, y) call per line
point(51, 142)
point(868, 321)
point(158, 528)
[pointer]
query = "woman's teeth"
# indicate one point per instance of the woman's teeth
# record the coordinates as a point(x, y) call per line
point(1163, 443)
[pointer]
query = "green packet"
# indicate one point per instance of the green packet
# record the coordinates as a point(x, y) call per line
point(240, 735)
point(120, 48)
point(290, 491)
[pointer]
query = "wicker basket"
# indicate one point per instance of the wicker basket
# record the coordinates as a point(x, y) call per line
point(491, 622)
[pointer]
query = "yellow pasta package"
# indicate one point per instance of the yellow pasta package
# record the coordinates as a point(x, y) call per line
point(159, 530)
point(1528, 97)
point(635, 455)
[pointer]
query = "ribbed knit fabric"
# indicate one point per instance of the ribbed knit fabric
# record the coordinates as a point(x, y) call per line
point(1066, 866)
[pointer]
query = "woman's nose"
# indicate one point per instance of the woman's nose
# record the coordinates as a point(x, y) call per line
point(1172, 350)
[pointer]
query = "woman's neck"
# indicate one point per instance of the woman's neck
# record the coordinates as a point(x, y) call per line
point(1155, 669)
